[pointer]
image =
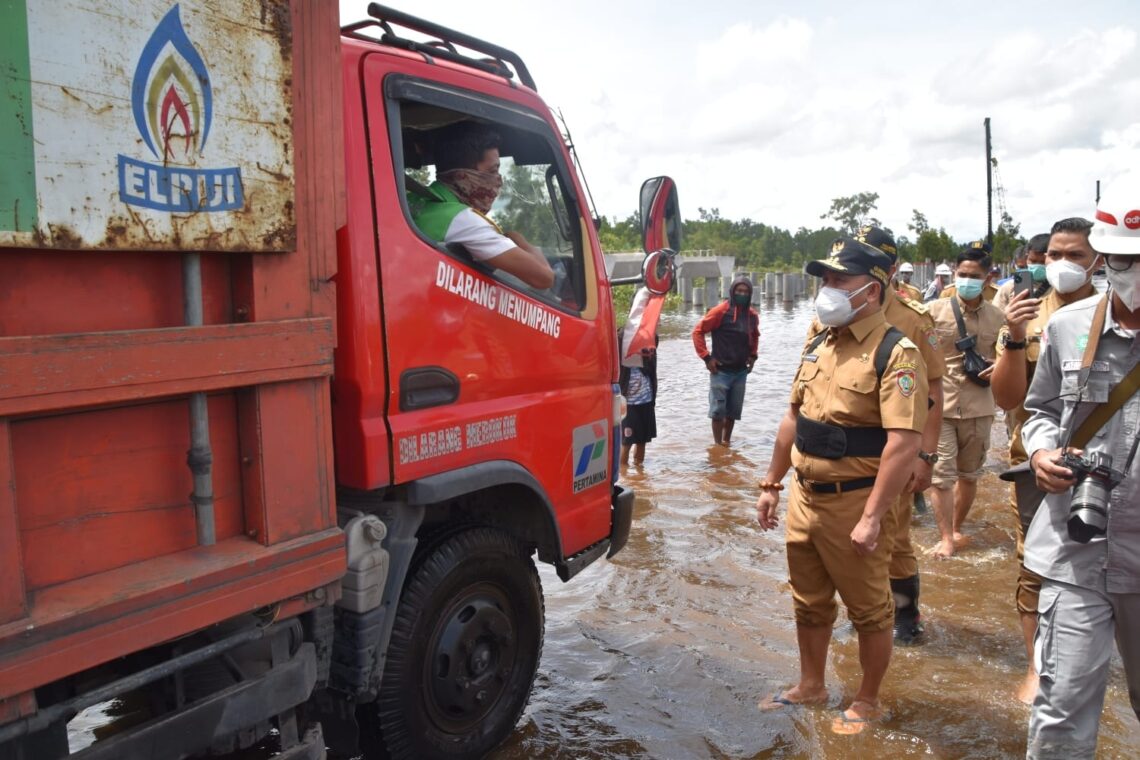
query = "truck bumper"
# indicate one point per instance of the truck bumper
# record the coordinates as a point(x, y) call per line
point(622, 501)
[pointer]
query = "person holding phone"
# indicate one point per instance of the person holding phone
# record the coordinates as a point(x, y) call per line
point(1031, 259)
point(1018, 349)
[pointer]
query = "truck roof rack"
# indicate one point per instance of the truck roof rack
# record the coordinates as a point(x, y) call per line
point(444, 47)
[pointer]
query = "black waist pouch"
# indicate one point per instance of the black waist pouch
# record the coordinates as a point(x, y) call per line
point(973, 365)
point(821, 439)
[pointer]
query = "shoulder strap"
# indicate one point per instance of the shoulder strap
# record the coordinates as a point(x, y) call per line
point(1119, 395)
point(886, 346)
point(958, 316)
point(819, 338)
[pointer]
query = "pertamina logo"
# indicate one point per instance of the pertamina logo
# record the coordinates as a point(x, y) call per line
point(1132, 219)
point(590, 455)
point(173, 106)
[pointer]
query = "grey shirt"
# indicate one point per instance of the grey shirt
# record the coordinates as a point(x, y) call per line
point(1054, 414)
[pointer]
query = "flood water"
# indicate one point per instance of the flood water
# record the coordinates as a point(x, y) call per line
point(663, 651)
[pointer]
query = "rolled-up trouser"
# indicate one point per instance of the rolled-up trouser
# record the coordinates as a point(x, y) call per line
point(822, 561)
point(903, 562)
point(1028, 582)
point(1072, 651)
point(962, 447)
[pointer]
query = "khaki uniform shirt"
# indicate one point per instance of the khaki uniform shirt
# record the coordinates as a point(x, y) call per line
point(989, 292)
point(1004, 293)
point(906, 290)
point(1050, 302)
point(837, 384)
point(964, 399)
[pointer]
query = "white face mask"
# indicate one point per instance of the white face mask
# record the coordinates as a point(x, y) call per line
point(1065, 276)
point(1126, 285)
point(833, 305)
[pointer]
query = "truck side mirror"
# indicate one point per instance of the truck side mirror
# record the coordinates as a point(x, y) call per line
point(660, 215)
point(658, 271)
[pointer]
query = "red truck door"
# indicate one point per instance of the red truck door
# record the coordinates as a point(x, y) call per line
point(481, 366)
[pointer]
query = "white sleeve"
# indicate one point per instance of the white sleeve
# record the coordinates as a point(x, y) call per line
point(477, 235)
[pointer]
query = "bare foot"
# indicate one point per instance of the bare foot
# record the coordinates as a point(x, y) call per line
point(960, 540)
point(856, 717)
point(791, 697)
point(944, 550)
point(1027, 692)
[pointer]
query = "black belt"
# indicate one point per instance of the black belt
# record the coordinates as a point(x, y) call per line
point(842, 486)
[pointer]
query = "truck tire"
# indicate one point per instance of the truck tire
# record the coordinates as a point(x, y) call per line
point(463, 654)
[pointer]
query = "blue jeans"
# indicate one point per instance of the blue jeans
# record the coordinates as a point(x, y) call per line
point(726, 393)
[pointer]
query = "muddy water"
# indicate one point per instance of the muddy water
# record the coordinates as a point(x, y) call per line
point(663, 651)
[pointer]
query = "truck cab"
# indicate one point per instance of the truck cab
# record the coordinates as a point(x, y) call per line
point(277, 451)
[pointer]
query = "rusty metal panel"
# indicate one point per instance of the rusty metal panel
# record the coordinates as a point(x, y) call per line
point(148, 125)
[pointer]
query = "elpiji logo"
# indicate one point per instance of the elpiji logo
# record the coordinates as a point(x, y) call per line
point(590, 444)
point(173, 106)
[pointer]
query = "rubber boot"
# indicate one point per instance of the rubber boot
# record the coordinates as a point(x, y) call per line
point(908, 620)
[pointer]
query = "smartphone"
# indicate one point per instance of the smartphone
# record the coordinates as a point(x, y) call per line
point(1023, 282)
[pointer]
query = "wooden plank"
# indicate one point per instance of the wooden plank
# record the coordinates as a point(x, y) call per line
point(55, 372)
point(12, 594)
point(119, 492)
point(297, 487)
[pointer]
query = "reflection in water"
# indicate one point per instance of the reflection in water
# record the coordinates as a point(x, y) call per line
point(663, 651)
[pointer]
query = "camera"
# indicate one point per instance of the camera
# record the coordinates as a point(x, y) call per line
point(966, 343)
point(1088, 512)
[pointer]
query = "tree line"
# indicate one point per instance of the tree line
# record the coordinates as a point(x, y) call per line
point(759, 246)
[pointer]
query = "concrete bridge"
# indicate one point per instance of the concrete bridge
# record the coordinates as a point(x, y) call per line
point(717, 272)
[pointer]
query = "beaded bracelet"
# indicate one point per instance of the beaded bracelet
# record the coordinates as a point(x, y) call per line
point(766, 484)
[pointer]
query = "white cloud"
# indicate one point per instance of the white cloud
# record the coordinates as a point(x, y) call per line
point(769, 114)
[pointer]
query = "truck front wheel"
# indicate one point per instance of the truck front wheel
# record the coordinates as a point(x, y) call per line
point(464, 650)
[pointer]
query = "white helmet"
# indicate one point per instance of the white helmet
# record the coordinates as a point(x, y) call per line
point(906, 268)
point(1117, 225)
point(944, 270)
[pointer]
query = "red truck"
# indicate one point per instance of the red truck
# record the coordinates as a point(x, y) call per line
point(211, 281)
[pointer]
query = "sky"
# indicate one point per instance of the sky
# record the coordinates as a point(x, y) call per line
point(767, 110)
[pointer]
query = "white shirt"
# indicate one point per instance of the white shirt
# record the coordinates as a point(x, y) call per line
point(477, 235)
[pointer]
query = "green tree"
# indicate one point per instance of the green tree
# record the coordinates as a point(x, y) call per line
point(853, 211)
point(935, 246)
point(918, 223)
point(1007, 237)
point(618, 236)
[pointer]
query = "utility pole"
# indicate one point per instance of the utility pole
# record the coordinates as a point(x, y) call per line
point(989, 188)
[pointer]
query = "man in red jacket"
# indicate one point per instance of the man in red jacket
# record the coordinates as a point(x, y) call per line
point(735, 328)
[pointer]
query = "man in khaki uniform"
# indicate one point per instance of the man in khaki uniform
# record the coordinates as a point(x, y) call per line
point(1031, 257)
point(852, 435)
point(915, 322)
point(989, 290)
point(968, 404)
point(1019, 346)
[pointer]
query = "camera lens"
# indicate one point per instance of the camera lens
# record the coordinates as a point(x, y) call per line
point(1088, 514)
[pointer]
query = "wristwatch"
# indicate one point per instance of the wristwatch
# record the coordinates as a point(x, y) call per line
point(930, 458)
point(1014, 344)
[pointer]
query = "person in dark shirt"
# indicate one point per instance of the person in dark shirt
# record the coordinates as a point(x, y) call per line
point(735, 328)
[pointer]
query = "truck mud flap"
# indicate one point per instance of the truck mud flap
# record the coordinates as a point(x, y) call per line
point(622, 519)
point(198, 725)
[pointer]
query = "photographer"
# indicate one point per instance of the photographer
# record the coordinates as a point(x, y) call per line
point(1085, 539)
point(966, 326)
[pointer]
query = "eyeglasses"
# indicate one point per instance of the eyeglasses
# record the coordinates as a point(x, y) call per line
point(1119, 263)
